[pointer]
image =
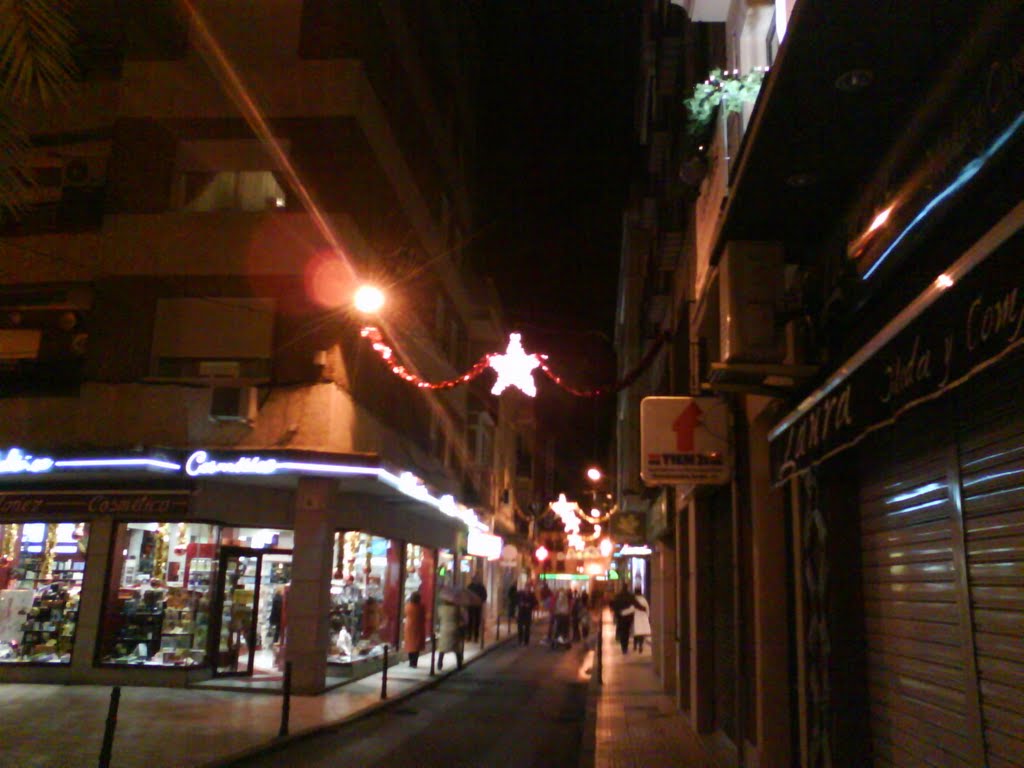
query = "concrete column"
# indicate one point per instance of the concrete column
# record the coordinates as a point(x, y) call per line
point(309, 595)
point(701, 597)
point(665, 639)
point(681, 555)
point(90, 601)
point(657, 610)
point(771, 636)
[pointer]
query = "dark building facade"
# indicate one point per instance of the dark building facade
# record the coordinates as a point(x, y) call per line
point(848, 287)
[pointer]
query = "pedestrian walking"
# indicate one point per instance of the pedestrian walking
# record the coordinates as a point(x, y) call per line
point(624, 607)
point(526, 602)
point(641, 621)
point(475, 610)
point(415, 633)
point(451, 631)
point(560, 619)
point(511, 598)
point(579, 610)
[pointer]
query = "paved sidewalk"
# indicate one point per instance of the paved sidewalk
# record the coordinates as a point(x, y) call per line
point(632, 723)
point(61, 726)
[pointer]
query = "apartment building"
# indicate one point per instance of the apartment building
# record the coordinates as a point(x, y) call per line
point(206, 470)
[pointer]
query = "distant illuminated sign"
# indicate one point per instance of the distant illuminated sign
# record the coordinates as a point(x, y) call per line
point(629, 550)
point(481, 544)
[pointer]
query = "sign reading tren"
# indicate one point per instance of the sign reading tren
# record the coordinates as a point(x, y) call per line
point(684, 440)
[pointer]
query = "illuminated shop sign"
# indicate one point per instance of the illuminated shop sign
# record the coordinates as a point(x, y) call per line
point(202, 464)
point(480, 544)
point(631, 551)
point(17, 462)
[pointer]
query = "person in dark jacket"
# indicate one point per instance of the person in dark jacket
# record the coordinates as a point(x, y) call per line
point(474, 612)
point(526, 602)
point(513, 596)
point(624, 607)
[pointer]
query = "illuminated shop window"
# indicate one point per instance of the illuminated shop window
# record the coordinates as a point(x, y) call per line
point(42, 566)
point(157, 611)
point(364, 596)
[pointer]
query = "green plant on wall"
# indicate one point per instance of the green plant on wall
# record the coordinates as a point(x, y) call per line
point(728, 90)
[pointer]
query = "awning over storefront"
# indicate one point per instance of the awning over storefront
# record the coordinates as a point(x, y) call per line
point(970, 317)
point(158, 484)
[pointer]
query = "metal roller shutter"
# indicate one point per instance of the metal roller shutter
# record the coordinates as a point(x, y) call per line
point(991, 450)
point(915, 606)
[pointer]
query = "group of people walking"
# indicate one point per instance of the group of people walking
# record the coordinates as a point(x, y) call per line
point(632, 619)
point(568, 611)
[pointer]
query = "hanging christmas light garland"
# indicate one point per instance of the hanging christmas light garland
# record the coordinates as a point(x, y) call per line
point(514, 368)
point(595, 520)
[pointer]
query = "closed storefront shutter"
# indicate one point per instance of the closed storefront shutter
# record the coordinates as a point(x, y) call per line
point(942, 549)
point(916, 622)
point(991, 451)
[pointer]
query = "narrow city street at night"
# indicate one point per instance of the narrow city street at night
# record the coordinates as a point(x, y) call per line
point(514, 707)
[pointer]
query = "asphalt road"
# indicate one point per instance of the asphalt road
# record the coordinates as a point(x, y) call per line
point(513, 708)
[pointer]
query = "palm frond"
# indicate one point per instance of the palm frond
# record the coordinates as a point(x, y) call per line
point(13, 182)
point(35, 50)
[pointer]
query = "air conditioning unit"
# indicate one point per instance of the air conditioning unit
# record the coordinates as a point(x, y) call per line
point(751, 286)
point(234, 403)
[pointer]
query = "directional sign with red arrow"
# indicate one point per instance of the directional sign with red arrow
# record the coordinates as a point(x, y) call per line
point(684, 426)
point(684, 440)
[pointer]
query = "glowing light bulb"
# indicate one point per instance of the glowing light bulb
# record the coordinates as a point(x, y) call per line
point(369, 299)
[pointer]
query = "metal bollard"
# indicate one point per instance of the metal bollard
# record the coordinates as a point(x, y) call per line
point(286, 699)
point(384, 675)
point(108, 732)
point(497, 627)
point(483, 624)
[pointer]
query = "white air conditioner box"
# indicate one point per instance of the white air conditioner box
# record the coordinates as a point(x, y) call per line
point(751, 278)
point(233, 403)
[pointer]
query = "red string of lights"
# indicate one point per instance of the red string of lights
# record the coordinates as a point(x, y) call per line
point(387, 354)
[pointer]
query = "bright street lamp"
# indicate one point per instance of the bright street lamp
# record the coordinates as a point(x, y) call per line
point(594, 474)
point(369, 299)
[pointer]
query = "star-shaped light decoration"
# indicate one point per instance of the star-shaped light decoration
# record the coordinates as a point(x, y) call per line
point(566, 511)
point(514, 368)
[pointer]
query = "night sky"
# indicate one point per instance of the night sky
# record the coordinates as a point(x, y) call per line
point(556, 148)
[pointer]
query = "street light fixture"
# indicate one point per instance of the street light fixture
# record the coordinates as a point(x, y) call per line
point(594, 475)
point(369, 299)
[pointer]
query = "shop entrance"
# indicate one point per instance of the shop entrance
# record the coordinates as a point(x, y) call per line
point(251, 612)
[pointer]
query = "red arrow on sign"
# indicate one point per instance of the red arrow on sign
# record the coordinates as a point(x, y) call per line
point(684, 425)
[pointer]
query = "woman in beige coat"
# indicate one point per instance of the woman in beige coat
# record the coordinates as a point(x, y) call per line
point(450, 629)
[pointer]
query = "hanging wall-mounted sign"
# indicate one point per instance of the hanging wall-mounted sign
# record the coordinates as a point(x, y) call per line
point(684, 440)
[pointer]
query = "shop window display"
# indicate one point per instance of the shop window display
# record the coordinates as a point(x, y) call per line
point(158, 606)
point(364, 596)
point(42, 566)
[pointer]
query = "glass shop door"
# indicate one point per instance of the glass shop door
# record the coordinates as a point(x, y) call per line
point(237, 604)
